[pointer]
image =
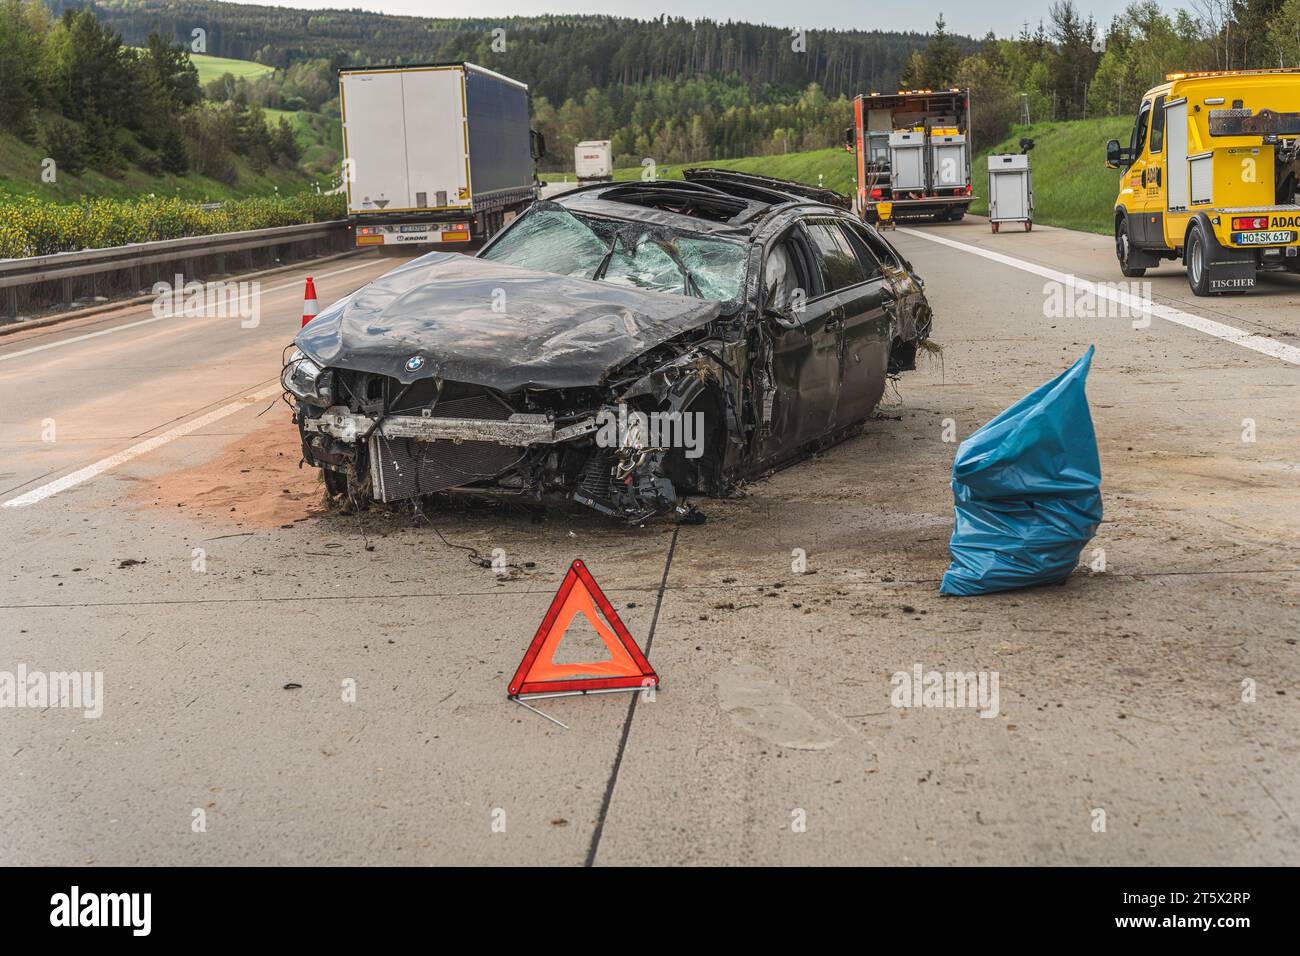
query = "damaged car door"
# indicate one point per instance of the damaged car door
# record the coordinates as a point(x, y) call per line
point(867, 335)
point(803, 326)
point(855, 299)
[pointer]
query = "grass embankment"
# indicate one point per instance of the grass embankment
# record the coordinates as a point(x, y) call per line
point(319, 135)
point(21, 168)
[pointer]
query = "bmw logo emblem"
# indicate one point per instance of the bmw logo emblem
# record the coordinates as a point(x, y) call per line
point(415, 363)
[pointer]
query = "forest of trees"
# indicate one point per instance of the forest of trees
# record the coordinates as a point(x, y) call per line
point(560, 57)
point(671, 89)
point(90, 100)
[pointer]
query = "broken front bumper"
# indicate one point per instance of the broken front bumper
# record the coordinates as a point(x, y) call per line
point(409, 456)
point(519, 429)
point(414, 455)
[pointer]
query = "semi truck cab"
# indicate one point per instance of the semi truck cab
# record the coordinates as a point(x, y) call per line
point(1210, 177)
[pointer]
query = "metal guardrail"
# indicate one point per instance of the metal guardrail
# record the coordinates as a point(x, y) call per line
point(72, 265)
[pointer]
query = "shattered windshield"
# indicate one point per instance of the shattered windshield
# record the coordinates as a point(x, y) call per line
point(647, 256)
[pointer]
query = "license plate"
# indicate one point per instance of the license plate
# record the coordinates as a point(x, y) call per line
point(1273, 238)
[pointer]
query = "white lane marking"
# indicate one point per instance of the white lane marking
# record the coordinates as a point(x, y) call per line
point(157, 318)
point(135, 451)
point(1259, 343)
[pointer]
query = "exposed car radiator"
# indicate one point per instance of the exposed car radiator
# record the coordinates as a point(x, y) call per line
point(402, 468)
point(597, 477)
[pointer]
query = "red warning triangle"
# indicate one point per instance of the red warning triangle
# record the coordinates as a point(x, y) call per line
point(581, 595)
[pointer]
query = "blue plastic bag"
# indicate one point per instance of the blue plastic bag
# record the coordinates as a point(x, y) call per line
point(1027, 488)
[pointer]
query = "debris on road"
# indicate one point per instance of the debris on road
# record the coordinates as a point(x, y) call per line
point(690, 515)
point(257, 474)
point(1027, 488)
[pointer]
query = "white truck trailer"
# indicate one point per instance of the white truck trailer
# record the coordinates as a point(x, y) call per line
point(593, 161)
point(440, 153)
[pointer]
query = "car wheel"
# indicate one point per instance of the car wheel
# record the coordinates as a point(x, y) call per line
point(1124, 252)
point(1196, 258)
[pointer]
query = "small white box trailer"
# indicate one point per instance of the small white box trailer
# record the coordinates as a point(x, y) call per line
point(1011, 190)
point(434, 153)
point(593, 161)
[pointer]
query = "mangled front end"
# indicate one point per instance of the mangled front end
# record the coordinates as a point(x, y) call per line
point(611, 396)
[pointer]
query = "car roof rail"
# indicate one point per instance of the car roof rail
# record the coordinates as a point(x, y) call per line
point(775, 190)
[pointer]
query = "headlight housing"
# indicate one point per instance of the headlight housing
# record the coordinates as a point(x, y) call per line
point(308, 381)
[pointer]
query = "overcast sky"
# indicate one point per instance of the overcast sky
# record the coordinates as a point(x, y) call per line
point(1004, 17)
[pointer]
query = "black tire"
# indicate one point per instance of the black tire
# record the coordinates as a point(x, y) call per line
point(1196, 258)
point(1124, 252)
point(956, 215)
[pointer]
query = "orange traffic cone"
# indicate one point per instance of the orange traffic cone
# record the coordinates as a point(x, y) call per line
point(309, 308)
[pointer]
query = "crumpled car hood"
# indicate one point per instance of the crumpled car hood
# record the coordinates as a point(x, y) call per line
point(549, 331)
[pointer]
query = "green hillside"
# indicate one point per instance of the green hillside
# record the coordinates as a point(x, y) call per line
point(319, 134)
point(214, 67)
point(20, 175)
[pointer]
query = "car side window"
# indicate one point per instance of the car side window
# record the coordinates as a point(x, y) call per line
point(785, 280)
point(1158, 125)
point(866, 257)
point(839, 264)
point(885, 254)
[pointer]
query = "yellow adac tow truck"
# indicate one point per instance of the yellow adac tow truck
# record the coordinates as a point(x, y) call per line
point(1210, 176)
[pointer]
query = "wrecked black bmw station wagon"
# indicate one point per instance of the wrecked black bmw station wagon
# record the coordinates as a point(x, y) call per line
point(623, 345)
